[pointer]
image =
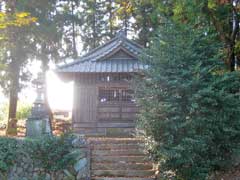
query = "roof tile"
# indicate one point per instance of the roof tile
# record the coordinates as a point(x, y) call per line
point(94, 60)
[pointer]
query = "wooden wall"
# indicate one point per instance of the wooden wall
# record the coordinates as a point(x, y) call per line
point(91, 117)
point(85, 104)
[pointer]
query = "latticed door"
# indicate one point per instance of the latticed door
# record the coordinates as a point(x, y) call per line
point(116, 103)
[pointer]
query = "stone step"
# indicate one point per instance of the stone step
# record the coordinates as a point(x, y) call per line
point(122, 166)
point(112, 141)
point(131, 152)
point(116, 147)
point(117, 159)
point(123, 173)
point(89, 134)
point(123, 178)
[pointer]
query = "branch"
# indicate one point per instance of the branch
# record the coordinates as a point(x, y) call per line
point(218, 26)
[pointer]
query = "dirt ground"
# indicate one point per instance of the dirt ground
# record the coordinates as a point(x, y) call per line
point(233, 174)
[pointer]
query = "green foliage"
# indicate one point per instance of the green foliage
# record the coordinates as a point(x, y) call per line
point(3, 112)
point(8, 153)
point(147, 20)
point(190, 105)
point(50, 153)
point(221, 16)
point(53, 153)
point(94, 25)
point(23, 110)
point(17, 19)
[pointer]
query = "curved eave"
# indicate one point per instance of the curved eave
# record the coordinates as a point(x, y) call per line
point(105, 66)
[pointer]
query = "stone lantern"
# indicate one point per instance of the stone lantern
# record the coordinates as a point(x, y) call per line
point(38, 123)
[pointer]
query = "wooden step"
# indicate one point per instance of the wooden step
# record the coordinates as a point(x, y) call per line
point(122, 166)
point(117, 159)
point(124, 173)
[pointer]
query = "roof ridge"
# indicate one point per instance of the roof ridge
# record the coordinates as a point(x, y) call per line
point(85, 56)
point(99, 47)
point(81, 58)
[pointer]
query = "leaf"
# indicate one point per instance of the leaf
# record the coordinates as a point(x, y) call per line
point(212, 4)
point(22, 14)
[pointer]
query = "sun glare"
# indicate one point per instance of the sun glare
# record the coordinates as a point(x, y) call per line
point(60, 94)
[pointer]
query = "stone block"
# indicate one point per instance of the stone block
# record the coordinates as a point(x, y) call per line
point(37, 127)
point(79, 142)
point(83, 174)
point(82, 163)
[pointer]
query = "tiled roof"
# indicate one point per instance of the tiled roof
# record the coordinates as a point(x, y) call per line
point(110, 65)
point(99, 60)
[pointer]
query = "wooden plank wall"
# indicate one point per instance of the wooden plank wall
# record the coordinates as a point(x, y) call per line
point(89, 117)
point(85, 104)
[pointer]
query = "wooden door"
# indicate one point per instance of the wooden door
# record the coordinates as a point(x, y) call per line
point(116, 104)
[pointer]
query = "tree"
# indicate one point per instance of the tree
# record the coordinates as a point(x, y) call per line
point(93, 28)
point(146, 21)
point(14, 52)
point(49, 38)
point(222, 16)
point(190, 104)
point(111, 10)
point(124, 14)
point(71, 22)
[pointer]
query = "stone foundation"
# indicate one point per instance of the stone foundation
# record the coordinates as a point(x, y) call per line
point(26, 169)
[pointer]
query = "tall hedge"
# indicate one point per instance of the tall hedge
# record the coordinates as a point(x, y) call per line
point(190, 103)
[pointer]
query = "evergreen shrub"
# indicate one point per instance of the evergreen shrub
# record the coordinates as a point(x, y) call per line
point(190, 103)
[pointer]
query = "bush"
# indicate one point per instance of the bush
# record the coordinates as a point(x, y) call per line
point(190, 104)
point(49, 153)
point(8, 153)
point(52, 153)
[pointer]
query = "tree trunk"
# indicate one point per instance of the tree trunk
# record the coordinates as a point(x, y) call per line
point(13, 98)
point(14, 70)
point(228, 38)
point(144, 33)
point(94, 26)
point(125, 22)
point(73, 31)
point(231, 58)
point(234, 34)
point(110, 11)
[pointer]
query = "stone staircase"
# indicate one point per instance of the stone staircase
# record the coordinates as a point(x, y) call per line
point(119, 159)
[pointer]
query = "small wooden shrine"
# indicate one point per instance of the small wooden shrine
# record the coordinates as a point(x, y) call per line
point(103, 99)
